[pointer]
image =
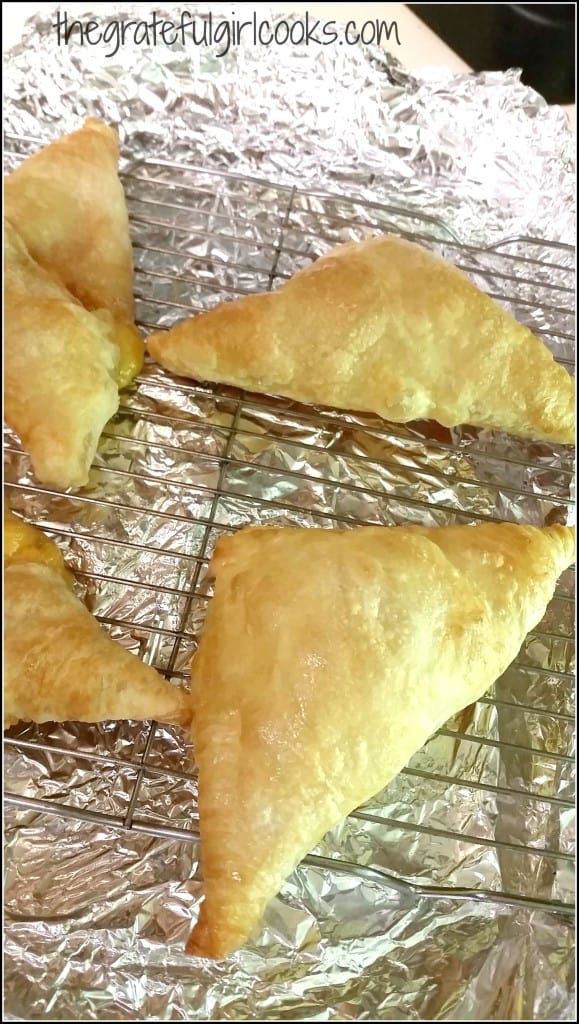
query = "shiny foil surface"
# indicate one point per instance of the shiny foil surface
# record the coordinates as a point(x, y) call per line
point(238, 170)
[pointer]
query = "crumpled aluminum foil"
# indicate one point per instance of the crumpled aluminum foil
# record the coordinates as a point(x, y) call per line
point(96, 916)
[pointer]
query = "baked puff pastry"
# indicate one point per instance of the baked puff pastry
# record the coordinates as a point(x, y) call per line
point(61, 367)
point(328, 658)
point(386, 327)
point(68, 205)
point(59, 664)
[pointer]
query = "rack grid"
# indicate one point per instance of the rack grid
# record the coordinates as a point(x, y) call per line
point(183, 462)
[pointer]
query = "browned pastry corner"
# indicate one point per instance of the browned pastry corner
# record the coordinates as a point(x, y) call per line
point(382, 326)
point(68, 205)
point(70, 339)
point(59, 664)
point(61, 369)
point(328, 658)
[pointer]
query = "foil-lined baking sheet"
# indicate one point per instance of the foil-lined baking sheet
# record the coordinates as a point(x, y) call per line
point(238, 171)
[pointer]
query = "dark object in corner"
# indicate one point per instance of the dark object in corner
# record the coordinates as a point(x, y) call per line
point(539, 38)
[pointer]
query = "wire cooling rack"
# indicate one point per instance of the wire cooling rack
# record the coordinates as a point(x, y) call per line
point(182, 463)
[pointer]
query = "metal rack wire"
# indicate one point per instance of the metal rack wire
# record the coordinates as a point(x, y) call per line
point(202, 236)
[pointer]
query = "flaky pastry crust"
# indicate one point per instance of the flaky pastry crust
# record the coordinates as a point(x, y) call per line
point(328, 658)
point(381, 326)
point(60, 369)
point(68, 206)
point(60, 665)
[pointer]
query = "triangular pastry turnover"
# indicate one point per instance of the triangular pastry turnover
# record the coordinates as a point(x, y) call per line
point(61, 368)
point(386, 327)
point(68, 205)
point(328, 658)
point(60, 665)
